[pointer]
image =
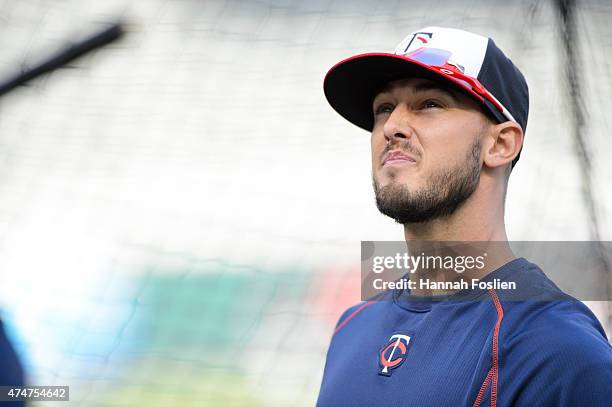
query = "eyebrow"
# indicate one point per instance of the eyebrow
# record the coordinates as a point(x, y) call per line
point(425, 87)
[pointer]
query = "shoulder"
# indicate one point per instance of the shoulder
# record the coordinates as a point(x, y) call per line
point(553, 325)
point(531, 283)
point(351, 313)
point(538, 311)
point(374, 302)
point(361, 315)
point(556, 353)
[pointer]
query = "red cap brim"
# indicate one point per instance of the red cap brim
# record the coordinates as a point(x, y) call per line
point(351, 85)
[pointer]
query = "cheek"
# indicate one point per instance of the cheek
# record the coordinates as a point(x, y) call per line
point(377, 146)
point(449, 145)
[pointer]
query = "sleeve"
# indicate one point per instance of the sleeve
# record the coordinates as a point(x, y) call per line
point(563, 361)
point(326, 391)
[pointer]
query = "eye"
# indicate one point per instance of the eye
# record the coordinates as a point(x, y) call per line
point(383, 108)
point(430, 103)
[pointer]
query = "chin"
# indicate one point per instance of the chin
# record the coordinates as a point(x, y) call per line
point(393, 177)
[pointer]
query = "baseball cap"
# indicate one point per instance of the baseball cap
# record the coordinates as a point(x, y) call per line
point(463, 60)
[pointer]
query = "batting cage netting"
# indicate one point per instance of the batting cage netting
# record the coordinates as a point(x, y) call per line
point(181, 211)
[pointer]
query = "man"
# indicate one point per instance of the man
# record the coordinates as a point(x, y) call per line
point(447, 112)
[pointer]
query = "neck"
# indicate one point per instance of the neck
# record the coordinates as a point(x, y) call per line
point(477, 220)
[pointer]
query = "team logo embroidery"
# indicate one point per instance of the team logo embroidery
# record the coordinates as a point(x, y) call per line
point(393, 354)
point(422, 37)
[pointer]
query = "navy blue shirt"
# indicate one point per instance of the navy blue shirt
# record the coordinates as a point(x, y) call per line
point(485, 351)
point(11, 372)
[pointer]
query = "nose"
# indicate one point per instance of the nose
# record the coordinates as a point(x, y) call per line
point(397, 125)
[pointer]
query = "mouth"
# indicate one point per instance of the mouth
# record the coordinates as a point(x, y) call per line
point(397, 158)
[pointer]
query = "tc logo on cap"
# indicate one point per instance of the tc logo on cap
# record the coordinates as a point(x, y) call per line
point(393, 354)
point(420, 36)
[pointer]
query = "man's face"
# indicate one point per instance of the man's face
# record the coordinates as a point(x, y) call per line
point(425, 150)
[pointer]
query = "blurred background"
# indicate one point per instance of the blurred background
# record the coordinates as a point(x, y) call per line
point(181, 211)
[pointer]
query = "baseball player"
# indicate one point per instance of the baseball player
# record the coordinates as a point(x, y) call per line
point(447, 113)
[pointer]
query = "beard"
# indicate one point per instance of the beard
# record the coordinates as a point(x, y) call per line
point(445, 192)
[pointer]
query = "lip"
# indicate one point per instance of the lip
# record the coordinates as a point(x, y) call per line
point(397, 157)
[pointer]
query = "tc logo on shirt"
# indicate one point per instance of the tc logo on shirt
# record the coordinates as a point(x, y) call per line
point(393, 353)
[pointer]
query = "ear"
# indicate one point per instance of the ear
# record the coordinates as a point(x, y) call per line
point(507, 140)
